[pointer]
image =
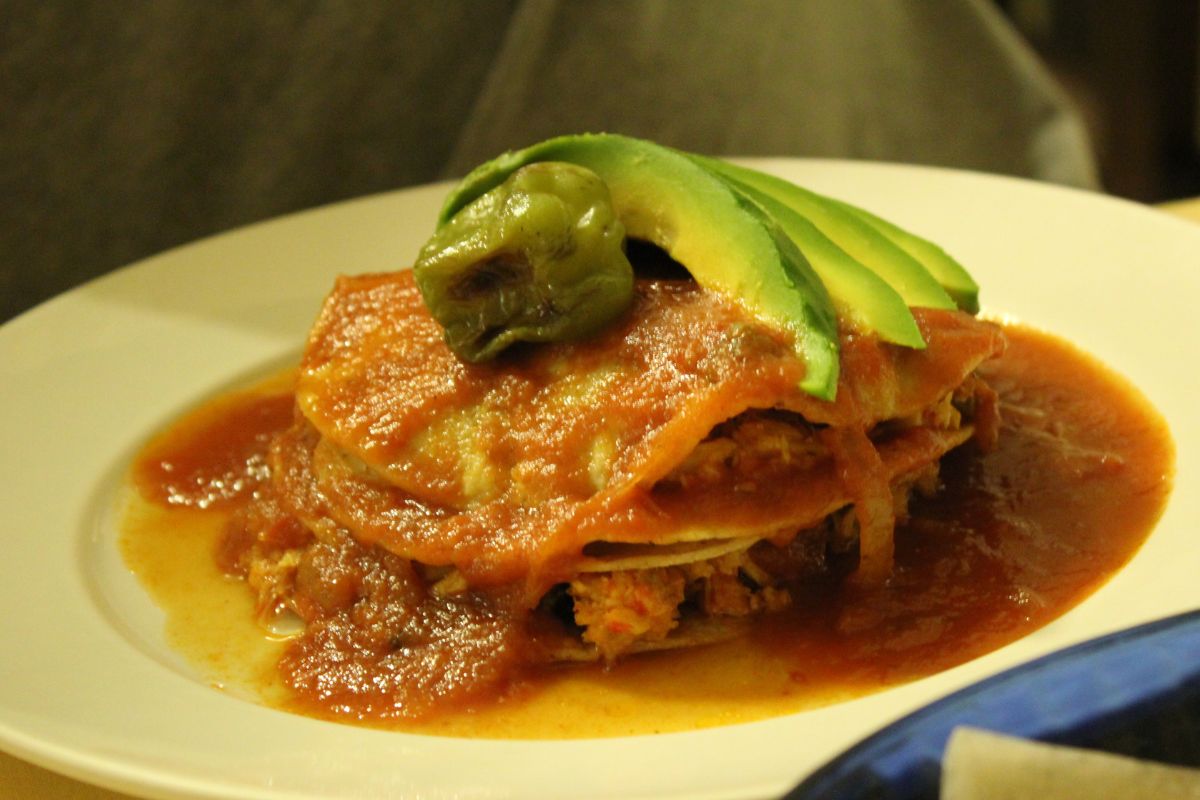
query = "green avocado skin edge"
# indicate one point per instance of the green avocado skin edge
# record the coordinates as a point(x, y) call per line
point(953, 277)
point(850, 232)
point(858, 293)
point(728, 243)
point(795, 258)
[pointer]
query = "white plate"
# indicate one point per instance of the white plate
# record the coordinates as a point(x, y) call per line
point(88, 687)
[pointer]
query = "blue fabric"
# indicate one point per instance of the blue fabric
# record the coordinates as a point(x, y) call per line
point(1136, 692)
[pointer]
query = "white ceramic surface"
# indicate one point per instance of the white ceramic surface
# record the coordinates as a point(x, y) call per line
point(89, 688)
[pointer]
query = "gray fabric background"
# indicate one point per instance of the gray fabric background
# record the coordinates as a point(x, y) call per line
point(130, 127)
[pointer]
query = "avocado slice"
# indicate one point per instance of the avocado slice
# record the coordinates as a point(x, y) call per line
point(953, 277)
point(726, 242)
point(858, 293)
point(856, 237)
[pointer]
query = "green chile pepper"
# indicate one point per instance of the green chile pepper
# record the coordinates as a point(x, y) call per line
point(539, 258)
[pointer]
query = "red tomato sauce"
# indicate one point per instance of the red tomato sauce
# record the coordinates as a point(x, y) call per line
point(218, 457)
point(1015, 538)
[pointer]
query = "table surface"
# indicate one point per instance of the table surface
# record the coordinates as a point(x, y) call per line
point(19, 779)
point(1189, 209)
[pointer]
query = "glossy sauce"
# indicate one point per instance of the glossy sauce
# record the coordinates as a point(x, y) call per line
point(1016, 537)
point(540, 454)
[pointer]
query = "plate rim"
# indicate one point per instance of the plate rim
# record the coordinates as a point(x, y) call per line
point(105, 771)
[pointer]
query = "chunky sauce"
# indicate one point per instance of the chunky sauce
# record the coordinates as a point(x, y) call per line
point(536, 456)
point(1016, 537)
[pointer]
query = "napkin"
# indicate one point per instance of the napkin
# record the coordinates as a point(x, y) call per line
point(981, 765)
